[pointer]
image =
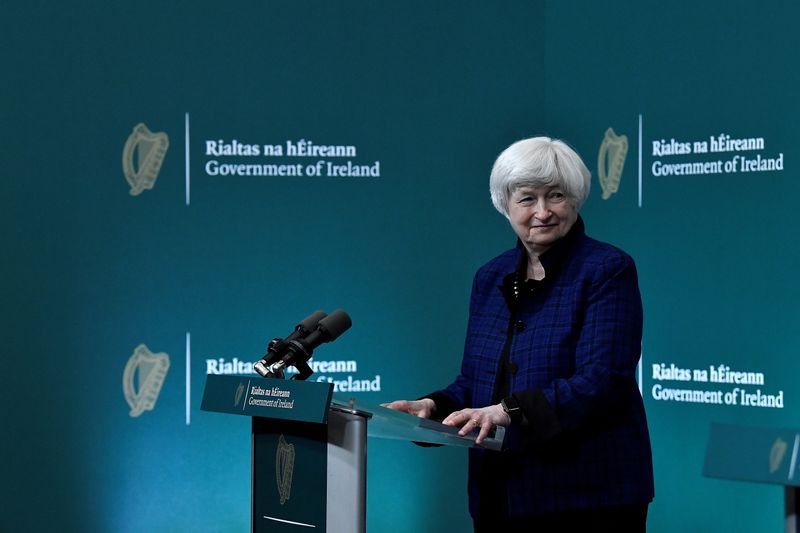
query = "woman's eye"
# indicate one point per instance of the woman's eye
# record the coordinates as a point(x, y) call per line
point(556, 196)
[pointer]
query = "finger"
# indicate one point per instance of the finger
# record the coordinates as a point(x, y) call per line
point(397, 405)
point(485, 429)
point(450, 420)
point(469, 426)
point(417, 410)
point(457, 418)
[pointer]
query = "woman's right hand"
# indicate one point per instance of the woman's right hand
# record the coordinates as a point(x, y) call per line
point(423, 408)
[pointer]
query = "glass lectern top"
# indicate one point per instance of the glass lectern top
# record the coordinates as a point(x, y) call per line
point(390, 424)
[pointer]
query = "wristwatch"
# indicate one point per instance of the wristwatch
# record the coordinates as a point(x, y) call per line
point(511, 407)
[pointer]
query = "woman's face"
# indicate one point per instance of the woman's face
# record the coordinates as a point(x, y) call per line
point(540, 216)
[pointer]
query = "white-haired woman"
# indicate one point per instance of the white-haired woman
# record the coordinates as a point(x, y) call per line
point(553, 340)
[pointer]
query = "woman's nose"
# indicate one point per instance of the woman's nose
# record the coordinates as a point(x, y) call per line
point(541, 211)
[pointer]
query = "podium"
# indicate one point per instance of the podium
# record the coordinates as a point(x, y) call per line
point(309, 449)
point(762, 455)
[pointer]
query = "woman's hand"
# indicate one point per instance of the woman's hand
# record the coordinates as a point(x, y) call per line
point(423, 408)
point(485, 418)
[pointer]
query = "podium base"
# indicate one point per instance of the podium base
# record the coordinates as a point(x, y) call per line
point(347, 472)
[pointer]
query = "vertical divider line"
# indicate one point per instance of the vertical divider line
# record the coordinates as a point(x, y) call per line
point(188, 378)
point(640, 160)
point(246, 394)
point(186, 149)
point(641, 366)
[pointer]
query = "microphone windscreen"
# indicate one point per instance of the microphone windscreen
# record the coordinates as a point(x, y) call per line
point(335, 324)
point(311, 321)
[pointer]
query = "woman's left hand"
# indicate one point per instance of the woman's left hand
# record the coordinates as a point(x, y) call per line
point(485, 418)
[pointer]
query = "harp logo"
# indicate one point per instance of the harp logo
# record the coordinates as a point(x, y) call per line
point(142, 380)
point(142, 157)
point(776, 454)
point(237, 397)
point(284, 468)
point(610, 160)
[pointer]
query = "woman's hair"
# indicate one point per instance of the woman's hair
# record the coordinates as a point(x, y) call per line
point(539, 162)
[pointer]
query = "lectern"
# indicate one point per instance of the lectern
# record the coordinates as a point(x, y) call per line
point(763, 455)
point(309, 449)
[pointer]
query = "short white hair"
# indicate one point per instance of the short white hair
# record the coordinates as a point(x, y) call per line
point(539, 162)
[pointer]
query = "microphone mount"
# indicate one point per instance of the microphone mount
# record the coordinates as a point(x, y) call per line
point(297, 349)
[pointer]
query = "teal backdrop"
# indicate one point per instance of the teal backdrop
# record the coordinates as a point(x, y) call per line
point(412, 101)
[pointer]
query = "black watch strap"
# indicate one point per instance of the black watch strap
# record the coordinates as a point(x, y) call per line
point(511, 407)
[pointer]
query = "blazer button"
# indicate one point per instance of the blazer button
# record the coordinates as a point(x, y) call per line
point(512, 367)
point(520, 325)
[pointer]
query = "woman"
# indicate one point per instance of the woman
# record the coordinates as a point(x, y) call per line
point(553, 340)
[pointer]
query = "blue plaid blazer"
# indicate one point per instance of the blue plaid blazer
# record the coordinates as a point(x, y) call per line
point(571, 346)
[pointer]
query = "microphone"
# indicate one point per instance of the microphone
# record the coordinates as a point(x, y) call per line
point(300, 349)
point(277, 347)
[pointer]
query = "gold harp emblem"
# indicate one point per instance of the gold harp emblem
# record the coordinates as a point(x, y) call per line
point(776, 454)
point(143, 377)
point(239, 394)
point(142, 157)
point(610, 160)
point(284, 468)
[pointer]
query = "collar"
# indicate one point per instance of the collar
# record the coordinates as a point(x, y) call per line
point(515, 285)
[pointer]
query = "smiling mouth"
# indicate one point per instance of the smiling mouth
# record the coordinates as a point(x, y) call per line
point(544, 226)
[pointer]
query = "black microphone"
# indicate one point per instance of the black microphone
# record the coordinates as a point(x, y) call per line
point(300, 349)
point(276, 348)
